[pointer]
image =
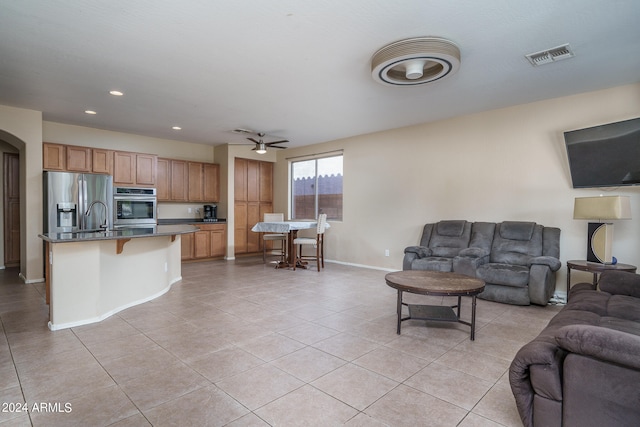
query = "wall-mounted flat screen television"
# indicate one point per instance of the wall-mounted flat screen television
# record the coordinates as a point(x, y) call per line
point(605, 156)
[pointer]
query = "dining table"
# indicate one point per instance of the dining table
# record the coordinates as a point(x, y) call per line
point(290, 228)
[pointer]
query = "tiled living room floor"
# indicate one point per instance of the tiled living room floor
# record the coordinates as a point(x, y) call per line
point(239, 343)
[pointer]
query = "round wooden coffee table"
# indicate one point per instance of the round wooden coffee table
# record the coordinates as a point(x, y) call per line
point(435, 283)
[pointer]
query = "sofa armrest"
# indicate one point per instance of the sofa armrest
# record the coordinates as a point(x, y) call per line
point(420, 251)
point(604, 344)
point(536, 370)
point(553, 263)
point(620, 283)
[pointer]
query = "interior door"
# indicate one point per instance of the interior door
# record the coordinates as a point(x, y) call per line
point(11, 210)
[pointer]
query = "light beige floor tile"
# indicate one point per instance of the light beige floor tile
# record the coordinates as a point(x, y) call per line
point(405, 406)
point(159, 387)
point(346, 346)
point(137, 420)
point(474, 420)
point(13, 398)
point(203, 407)
point(225, 363)
point(477, 364)
point(249, 420)
point(306, 406)
point(499, 405)
point(270, 347)
point(422, 348)
point(107, 330)
point(309, 333)
point(139, 363)
point(121, 347)
point(308, 363)
point(65, 383)
point(390, 363)
point(450, 385)
point(364, 420)
point(258, 386)
point(340, 321)
point(99, 407)
point(356, 386)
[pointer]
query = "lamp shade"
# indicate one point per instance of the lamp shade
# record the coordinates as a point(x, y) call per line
point(603, 207)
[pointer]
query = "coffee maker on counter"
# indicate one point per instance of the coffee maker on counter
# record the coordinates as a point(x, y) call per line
point(210, 213)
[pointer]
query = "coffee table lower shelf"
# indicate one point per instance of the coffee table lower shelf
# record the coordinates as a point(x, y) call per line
point(437, 313)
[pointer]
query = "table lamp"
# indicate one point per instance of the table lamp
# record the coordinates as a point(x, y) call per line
point(600, 234)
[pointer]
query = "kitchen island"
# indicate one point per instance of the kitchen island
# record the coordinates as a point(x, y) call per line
point(93, 275)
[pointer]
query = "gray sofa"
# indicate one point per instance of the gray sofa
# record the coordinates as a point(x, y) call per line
point(584, 367)
point(517, 260)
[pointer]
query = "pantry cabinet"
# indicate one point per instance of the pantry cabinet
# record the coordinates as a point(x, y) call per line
point(253, 189)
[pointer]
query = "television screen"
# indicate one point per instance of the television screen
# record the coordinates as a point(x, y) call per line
point(606, 155)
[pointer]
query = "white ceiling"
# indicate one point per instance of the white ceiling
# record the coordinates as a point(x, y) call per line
point(298, 69)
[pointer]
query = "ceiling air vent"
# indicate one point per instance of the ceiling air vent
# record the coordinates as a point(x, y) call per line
point(550, 55)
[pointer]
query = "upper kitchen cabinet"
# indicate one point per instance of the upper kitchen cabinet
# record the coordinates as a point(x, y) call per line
point(53, 157)
point(79, 159)
point(134, 169)
point(102, 161)
point(182, 181)
point(211, 185)
point(196, 175)
point(163, 179)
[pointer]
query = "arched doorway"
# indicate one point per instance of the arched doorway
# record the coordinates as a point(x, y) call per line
point(12, 212)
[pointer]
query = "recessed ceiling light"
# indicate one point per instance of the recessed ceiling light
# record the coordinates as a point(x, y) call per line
point(176, 128)
point(90, 112)
point(116, 93)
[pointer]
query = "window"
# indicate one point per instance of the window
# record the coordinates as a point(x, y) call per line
point(316, 187)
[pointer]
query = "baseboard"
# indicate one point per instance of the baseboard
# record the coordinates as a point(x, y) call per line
point(361, 265)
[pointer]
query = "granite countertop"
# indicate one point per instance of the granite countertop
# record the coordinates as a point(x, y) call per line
point(189, 221)
point(120, 233)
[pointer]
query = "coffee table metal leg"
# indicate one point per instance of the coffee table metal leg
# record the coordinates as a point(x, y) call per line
point(473, 317)
point(399, 308)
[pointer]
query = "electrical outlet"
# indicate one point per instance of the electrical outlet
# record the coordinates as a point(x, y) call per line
point(189, 210)
point(166, 267)
point(386, 252)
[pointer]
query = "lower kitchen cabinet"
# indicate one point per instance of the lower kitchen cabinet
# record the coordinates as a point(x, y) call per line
point(210, 242)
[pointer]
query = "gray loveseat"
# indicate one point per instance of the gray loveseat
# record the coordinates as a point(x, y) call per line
point(584, 367)
point(516, 259)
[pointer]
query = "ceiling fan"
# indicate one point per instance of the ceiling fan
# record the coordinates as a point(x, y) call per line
point(261, 146)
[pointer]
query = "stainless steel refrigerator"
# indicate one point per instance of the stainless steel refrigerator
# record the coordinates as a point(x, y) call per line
point(77, 202)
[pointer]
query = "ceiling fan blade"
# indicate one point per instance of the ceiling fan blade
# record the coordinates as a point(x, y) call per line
point(277, 142)
point(252, 139)
point(276, 146)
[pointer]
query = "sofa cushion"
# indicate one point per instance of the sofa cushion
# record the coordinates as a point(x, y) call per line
point(624, 307)
point(504, 274)
point(517, 230)
point(432, 264)
point(453, 228)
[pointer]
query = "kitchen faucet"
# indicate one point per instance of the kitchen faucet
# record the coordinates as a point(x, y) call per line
point(106, 211)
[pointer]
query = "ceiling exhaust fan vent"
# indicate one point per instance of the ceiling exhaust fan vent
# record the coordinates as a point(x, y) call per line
point(550, 55)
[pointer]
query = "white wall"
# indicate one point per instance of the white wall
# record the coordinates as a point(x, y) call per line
point(507, 164)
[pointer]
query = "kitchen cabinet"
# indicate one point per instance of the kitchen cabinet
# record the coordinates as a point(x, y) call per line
point(102, 161)
point(182, 181)
point(179, 181)
point(79, 159)
point(209, 242)
point(211, 184)
point(134, 169)
point(253, 185)
point(163, 180)
point(53, 157)
point(186, 246)
point(195, 186)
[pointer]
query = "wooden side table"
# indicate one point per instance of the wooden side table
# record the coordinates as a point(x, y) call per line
point(595, 268)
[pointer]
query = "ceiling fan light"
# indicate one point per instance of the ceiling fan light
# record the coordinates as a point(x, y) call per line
point(261, 148)
point(414, 69)
point(415, 61)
